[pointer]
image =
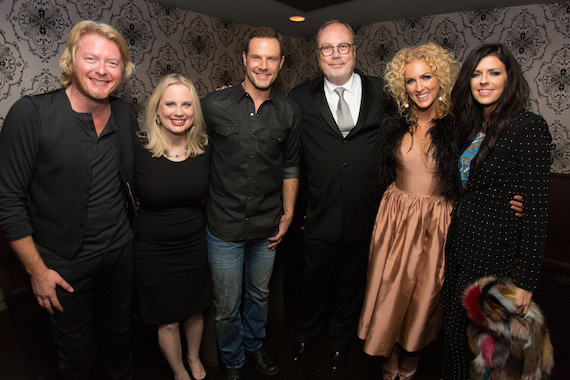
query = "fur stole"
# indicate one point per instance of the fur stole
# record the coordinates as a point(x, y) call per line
point(444, 149)
point(507, 346)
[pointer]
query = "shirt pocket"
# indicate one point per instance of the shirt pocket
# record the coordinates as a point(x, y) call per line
point(225, 140)
point(276, 142)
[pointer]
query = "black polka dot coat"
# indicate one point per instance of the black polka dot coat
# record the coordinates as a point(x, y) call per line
point(485, 236)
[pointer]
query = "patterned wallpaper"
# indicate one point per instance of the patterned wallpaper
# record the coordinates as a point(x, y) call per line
point(163, 39)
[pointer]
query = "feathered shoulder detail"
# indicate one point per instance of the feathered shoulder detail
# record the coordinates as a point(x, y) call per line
point(444, 149)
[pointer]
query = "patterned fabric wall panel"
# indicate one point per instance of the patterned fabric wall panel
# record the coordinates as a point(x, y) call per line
point(553, 80)
point(136, 29)
point(165, 62)
point(163, 39)
point(412, 29)
point(484, 22)
point(11, 67)
point(452, 38)
point(167, 18)
point(198, 44)
point(43, 24)
point(380, 49)
point(526, 39)
point(91, 9)
point(41, 84)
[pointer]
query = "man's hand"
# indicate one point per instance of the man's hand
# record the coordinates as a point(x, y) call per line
point(282, 230)
point(224, 87)
point(44, 285)
point(517, 205)
point(44, 280)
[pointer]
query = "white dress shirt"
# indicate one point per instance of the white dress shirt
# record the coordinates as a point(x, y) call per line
point(352, 96)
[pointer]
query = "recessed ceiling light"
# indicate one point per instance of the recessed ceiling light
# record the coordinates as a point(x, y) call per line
point(297, 18)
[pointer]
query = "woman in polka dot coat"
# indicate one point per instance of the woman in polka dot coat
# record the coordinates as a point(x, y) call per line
point(511, 149)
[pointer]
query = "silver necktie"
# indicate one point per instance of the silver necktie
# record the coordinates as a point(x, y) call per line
point(345, 122)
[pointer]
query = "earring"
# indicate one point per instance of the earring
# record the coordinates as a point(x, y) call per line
point(440, 99)
point(157, 120)
point(406, 105)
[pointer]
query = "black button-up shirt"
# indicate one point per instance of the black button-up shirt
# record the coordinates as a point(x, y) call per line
point(252, 153)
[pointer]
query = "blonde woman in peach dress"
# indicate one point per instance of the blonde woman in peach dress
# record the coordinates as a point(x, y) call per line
point(402, 310)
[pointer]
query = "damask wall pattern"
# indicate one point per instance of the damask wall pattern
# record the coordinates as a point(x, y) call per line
point(538, 35)
point(163, 39)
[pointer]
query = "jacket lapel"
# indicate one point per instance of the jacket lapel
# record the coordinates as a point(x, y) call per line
point(318, 95)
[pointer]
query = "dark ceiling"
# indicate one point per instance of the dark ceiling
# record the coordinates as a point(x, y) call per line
point(276, 13)
point(307, 6)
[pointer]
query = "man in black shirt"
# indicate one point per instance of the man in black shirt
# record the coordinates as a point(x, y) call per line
point(253, 186)
point(71, 152)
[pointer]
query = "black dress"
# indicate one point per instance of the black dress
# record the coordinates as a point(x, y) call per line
point(171, 260)
point(486, 238)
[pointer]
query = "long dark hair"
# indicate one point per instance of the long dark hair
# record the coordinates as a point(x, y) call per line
point(469, 116)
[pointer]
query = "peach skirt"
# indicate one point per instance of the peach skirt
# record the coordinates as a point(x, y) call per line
point(403, 301)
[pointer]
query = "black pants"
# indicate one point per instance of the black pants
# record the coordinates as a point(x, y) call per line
point(102, 286)
point(456, 353)
point(335, 276)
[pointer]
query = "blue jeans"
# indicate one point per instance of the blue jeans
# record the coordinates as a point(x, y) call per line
point(246, 264)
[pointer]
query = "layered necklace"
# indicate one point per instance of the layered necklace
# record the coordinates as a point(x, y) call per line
point(173, 157)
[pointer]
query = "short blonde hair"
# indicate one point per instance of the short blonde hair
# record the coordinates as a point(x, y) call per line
point(443, 66)
point(196, 137)
point(67, 60)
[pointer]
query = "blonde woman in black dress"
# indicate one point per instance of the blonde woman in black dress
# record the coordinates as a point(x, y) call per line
point(171, 261)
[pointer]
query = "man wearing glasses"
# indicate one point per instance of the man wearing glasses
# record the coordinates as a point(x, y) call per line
point(341, 111)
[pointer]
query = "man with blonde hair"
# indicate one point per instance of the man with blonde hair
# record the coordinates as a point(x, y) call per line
point(70, 152)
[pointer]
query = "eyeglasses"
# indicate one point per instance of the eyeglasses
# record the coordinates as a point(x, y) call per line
point(327, 51)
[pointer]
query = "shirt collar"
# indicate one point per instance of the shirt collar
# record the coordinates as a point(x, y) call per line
point(349, 85)
point(240, 94)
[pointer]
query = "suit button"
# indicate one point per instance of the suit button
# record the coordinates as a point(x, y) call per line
point(87, 191)
point(344, 164)
point(344, 141)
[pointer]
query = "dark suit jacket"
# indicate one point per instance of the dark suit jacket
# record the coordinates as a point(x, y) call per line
point(485, 235)
point(342, 195)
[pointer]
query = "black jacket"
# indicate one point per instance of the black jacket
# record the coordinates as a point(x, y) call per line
point(342, 195)
point(485, 236)
point(46, 161)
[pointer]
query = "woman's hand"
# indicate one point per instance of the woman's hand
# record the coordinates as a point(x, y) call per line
point(522, 300)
